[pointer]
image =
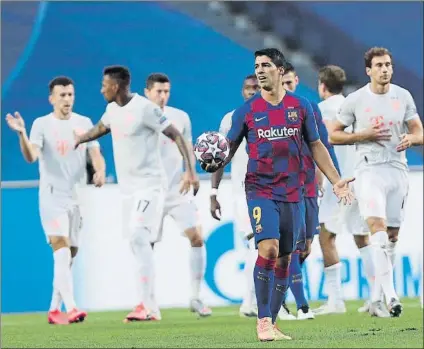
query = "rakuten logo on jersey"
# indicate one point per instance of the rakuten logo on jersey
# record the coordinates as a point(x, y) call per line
point(278, 133)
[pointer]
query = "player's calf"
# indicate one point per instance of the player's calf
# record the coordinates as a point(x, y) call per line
point(281, 284)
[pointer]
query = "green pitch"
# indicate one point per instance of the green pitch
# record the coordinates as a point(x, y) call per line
point(224, 329)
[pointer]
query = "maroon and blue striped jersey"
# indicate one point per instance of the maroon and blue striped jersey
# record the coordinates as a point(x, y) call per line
point(274, 136)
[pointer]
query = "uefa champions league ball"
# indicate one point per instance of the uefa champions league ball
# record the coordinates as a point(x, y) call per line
point(211, 148)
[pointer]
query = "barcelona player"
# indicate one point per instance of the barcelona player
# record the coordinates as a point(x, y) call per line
point(274, 123)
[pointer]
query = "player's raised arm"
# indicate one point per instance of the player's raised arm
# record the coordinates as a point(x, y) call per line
point(99, 130)
point(414, 124)
point(30, 147)
point(345, 118)
point(322, 157)
point(97, 160)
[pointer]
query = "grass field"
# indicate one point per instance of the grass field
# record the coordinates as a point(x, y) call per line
point(225, 329)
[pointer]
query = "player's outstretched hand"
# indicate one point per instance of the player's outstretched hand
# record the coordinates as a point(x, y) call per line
point(405, 142)
point(99, 179)
point(215, 208)
point(343, 192)
point(16, 123)
point(189, 181)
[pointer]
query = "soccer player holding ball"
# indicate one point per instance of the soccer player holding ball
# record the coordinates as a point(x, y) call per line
point(274, 124)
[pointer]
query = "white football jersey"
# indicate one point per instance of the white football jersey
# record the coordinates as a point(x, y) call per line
point(363, 108)
point(171, 157)
point(345, 153)
point(61, 166)
point(135, 129)
point(240, 159)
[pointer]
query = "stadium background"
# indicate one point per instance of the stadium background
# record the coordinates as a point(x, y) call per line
point(206, 49)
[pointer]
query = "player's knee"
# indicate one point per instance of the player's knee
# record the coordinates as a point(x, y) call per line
point(284, 261)
point(326, 239)
point(393, 234)
point(361, 240)
point(58, 242)
point(74, 251)
point(194, 234)
point(140, 237)
point(376, 224)
point(380, 239)
point(268, 248)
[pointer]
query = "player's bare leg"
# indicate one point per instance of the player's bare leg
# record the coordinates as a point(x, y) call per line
point(197, 270)
point(332, 270)
point(62, 283)
point(383, 269)
point(264, 282)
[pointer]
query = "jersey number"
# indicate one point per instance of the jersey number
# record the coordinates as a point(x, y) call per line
point(143, 203)
point(257, 214)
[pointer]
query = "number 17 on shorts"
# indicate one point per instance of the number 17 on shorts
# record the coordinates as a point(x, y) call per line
point(147, 208)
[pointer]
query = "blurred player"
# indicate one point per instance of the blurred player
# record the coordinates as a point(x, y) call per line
point(61, 169)
point(136, 123)
point(274, 123)
point(181, 208)
point(385, 123)
point(242, 224)
point(335, 219)
point(303, 247)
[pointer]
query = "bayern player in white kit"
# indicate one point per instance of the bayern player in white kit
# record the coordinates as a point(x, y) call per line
point(241, 214)
point(181, 208)
point(61, 168)
point(136, 124)
point(336, 219)
point(385, 123)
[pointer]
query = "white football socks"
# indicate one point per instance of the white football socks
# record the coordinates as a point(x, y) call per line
point(334, 283)
point(197, 269)
point(62, 279)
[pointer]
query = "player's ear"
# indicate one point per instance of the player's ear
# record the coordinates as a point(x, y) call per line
point(146, 92)
point(51, 99)
point(368, 71)
point(281, 70)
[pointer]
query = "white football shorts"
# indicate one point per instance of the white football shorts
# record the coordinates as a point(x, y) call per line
point(382, 192)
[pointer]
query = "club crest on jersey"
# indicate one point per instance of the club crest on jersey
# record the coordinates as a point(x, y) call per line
point(292, 115)
point(258, 229)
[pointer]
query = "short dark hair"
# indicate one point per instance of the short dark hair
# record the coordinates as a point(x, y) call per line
point(274, 54)
point(156, 77)
point(251, 76)
point(60, 81)
point(289, 68)
point(119, 73)
point(333, 77)
point(375, 52)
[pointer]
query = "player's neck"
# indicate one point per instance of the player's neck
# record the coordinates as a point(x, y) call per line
point(124, 99)
point(379, 89)
point(59, 115)
point(275, 96)
point(328, 95)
